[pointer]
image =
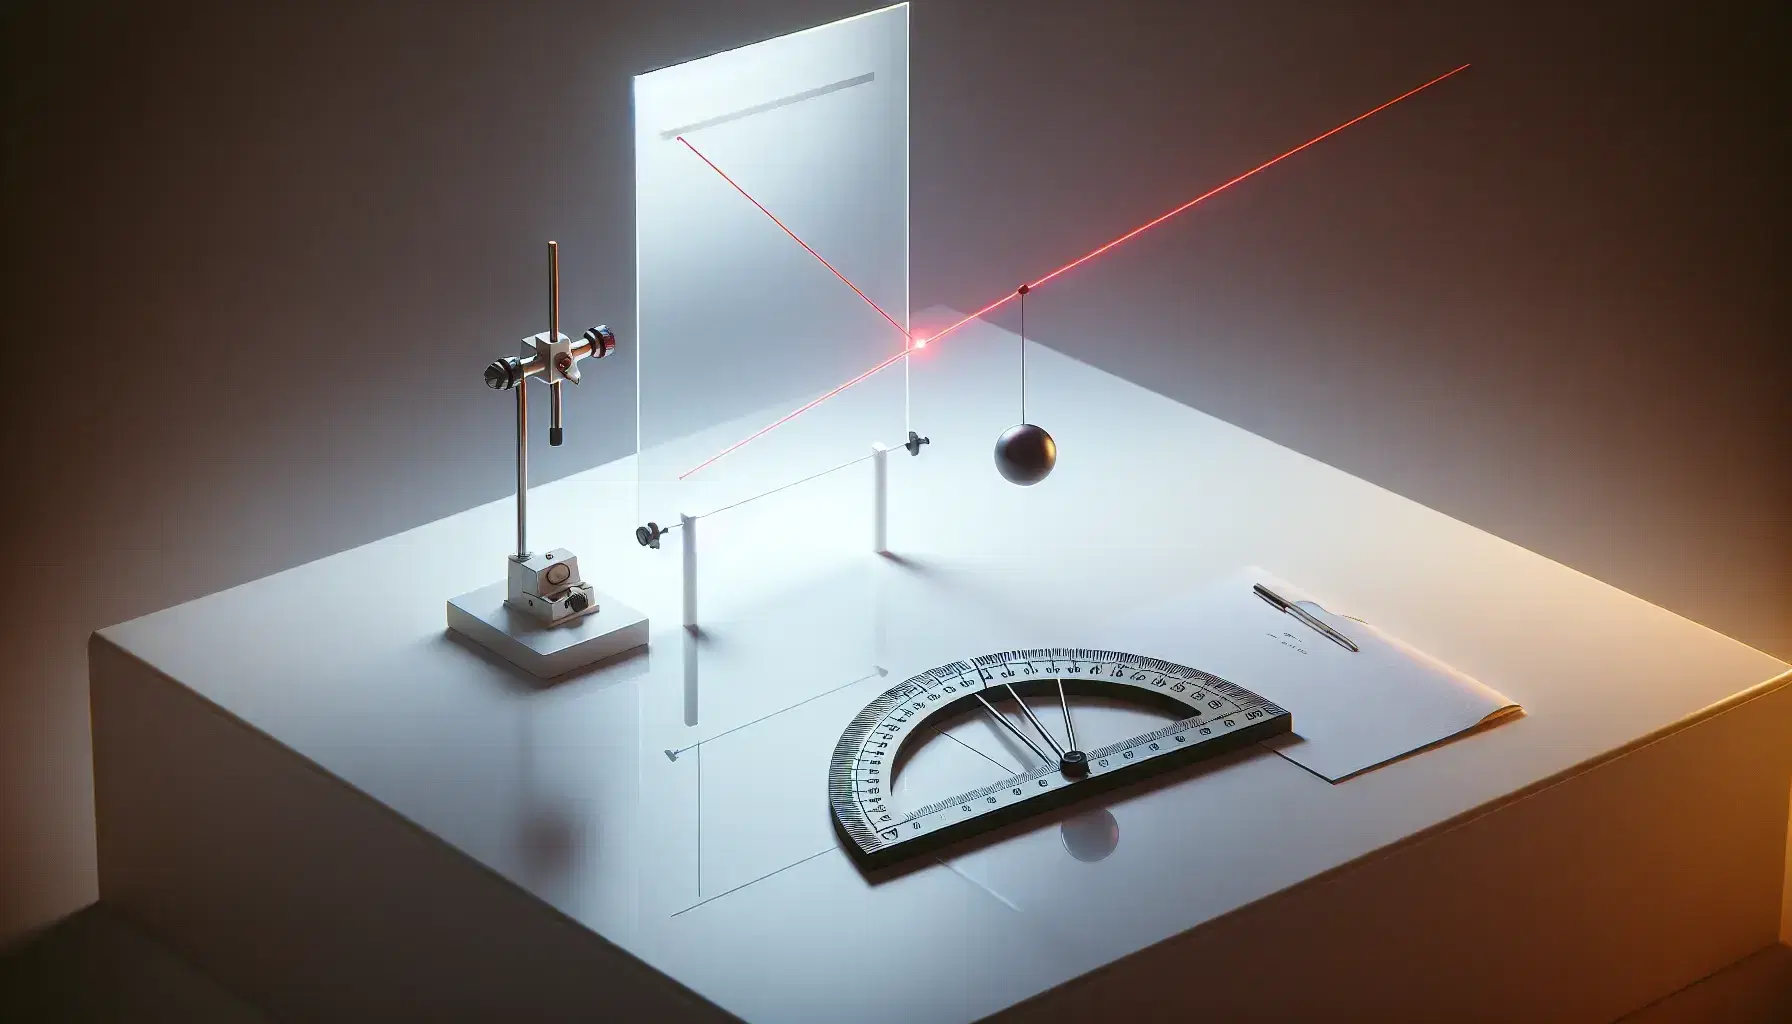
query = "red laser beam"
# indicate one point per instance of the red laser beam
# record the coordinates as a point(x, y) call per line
point(1004, 300)
point(791, 415)
point(1209, 194)
point(843, 280)
point(793, 237)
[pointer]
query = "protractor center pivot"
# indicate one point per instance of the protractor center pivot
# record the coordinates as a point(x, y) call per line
point(1074, 763)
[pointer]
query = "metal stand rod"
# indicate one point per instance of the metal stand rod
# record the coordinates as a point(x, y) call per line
point(556, 407)
point(880, 498)
point(522, 470)
point(556, 414)
point(688, 541)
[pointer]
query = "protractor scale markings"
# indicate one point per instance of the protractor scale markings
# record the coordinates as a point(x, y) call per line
point(1212, 716)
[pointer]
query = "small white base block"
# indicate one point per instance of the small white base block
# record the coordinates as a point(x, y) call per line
point(541, 650)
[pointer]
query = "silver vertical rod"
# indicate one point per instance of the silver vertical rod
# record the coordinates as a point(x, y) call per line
point(556, 407)
point(556, 412)
point(880, 499)
point(522, 469)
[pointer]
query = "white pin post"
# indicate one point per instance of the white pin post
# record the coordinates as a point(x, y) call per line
point(880, 499)
point(687, 535)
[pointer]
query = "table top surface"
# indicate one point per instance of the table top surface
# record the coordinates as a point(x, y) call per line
point(720, 867)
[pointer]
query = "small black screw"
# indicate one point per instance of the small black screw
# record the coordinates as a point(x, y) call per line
point(915, 441)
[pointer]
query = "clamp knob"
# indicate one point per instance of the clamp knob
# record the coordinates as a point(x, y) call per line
point(504, 373)
point(602, 341)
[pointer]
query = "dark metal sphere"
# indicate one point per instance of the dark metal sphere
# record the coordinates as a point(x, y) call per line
point(1025, 454)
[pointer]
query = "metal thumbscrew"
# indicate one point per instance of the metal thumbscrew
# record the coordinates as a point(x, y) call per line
point(649, 536)
point(915, 441)
point(602, 341)
point(501, 374)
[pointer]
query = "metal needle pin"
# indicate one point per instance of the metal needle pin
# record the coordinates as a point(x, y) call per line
point(1011, 727)
point(1030, 717)
point(1069, 729)
point(1073, 762)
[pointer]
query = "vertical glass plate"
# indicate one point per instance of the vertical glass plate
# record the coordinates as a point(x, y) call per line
point(738, 324)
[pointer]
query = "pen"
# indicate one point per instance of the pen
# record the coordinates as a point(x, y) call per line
point(1283, 604)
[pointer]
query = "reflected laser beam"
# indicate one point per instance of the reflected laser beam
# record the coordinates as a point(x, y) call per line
point(794, 237)
point(793, 414)
point(787, 417)
point(918, 343)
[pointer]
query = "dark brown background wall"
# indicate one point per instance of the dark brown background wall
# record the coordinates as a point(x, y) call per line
point(256, 255)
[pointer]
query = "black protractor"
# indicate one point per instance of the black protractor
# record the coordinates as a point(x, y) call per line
point(1212, 716)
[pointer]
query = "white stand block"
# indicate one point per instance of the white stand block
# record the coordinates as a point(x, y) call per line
point(541, 650)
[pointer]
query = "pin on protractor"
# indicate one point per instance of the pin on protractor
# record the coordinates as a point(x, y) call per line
point(1212, 716)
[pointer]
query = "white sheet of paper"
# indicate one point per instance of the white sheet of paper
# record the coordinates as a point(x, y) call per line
point(1352, 711)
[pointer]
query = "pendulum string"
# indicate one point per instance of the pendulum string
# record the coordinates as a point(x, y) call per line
point(1022, 291)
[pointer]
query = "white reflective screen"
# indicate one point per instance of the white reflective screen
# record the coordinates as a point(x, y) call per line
point(738, 324)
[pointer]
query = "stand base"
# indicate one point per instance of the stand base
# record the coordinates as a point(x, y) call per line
point(546, 651)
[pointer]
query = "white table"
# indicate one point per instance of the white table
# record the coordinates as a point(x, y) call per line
point(342, 813)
